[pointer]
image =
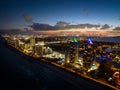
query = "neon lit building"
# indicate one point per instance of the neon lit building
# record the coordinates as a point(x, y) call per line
point(73, 51)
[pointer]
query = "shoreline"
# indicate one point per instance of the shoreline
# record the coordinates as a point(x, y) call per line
point(54, 65)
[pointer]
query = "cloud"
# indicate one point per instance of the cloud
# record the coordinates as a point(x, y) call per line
point(27, 18)
point(85, 11)
point(105, 26)
point(118, 17)
point(116, 28)
point(38, 26)
point(62, 24)
point(10, 31)
point(88, 25)
point(83, 26)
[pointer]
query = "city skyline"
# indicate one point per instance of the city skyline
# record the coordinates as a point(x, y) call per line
point(92, 58)
point(15, 14)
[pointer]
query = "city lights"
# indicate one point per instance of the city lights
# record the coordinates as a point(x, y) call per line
point(81, 55)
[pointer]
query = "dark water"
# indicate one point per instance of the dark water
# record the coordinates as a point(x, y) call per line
point(20, 74)
point(108, 39)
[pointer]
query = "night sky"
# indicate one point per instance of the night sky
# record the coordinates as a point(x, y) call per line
point(52, 11)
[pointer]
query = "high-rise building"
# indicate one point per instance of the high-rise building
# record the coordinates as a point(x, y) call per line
point(26, 46)
point(67, 58)
point(16, 43)
point(39, 50)
point(88, 43)
point(32, 42)
point(47, 50)
point(74, 51)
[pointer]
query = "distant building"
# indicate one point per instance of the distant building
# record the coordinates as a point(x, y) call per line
point(67, 58)
point(17, 43)
point(38, 49)
point(32, 42)
point(26, 46)
point(47, 50)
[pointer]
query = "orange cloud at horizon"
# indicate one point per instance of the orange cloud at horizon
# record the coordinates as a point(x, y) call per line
point(80, 32)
